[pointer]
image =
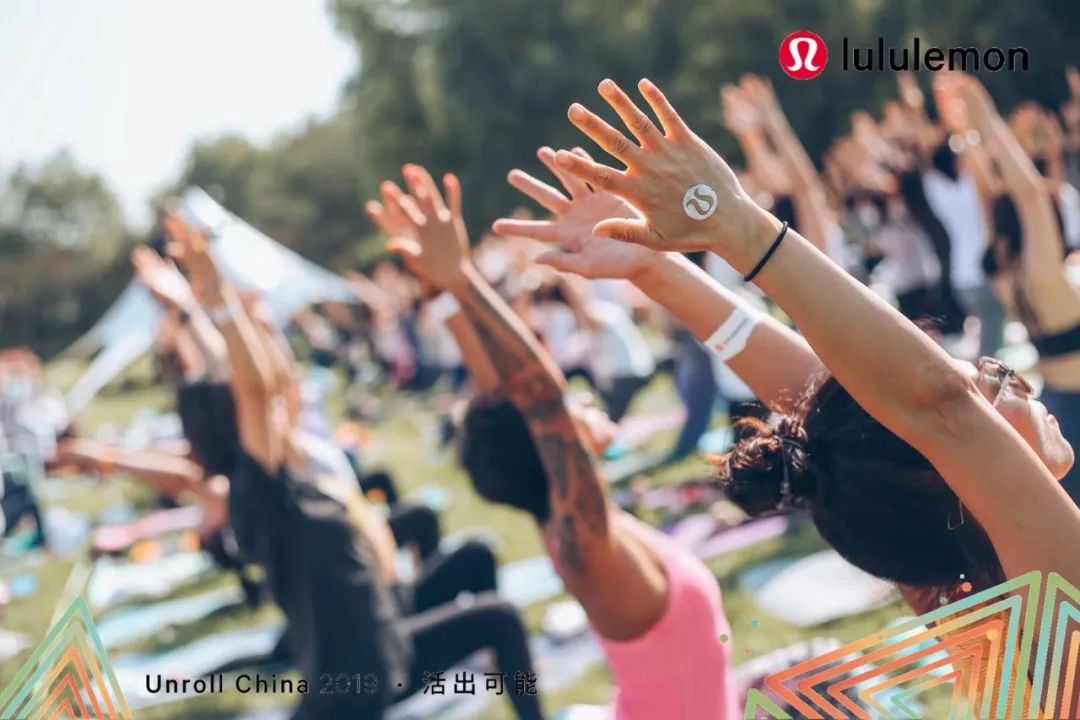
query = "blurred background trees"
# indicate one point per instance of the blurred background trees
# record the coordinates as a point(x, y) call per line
point(475, 86)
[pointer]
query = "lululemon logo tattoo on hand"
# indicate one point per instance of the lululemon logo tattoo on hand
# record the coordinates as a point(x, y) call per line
point(699, 202)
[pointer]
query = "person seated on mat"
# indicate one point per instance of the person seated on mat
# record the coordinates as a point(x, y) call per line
point(656, 608)
point(916, 467)
point(296, 510)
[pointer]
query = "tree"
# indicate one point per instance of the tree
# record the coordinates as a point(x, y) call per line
point(62, 239)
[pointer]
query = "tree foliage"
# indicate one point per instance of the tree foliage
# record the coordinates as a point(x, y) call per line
point(475, 86)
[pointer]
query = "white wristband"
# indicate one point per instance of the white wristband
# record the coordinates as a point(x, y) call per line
point(731, 337)
point(444, 306)
point(224, 314)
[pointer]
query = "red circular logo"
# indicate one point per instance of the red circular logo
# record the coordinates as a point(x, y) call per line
point(803, 55)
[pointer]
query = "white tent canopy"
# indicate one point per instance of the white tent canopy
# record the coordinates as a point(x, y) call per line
point(250, 260)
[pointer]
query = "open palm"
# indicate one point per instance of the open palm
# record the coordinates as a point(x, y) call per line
point(569, 232)
point(162, 279)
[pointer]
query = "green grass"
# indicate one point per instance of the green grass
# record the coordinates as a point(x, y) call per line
point(405, 437)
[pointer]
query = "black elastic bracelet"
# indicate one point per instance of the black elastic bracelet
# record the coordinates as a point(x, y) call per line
point(768, 254)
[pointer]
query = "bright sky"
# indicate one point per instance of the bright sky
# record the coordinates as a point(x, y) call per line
point(127, 85)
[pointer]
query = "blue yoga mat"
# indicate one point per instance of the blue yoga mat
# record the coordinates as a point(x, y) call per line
point(129, 624)
point(116, 581)
point(194, 660)
point(527, 582)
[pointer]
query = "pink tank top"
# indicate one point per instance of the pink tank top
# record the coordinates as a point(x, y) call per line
point(679, 669)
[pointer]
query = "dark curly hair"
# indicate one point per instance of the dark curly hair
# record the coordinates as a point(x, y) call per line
point(873, 497)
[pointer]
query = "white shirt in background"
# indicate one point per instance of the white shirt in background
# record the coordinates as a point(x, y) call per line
point(618, 347)
point(959, 208)
point(910, 261)
point(1069, 205)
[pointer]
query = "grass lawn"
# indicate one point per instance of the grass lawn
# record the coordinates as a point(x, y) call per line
point(406, 439)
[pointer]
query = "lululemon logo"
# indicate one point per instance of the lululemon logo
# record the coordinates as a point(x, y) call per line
point(699, 202)
point(803, 55)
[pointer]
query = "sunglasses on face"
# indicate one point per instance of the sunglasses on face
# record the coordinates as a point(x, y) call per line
point(1005, 378)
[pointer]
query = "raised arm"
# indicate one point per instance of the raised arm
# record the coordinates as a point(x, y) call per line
point(808, 190)
point(776, 362)
point(172, 290)
point(402, 237)
point(592, 563)
point(744, 122)
point(890, 367)
point(1042, 264)
point(171, 475)
point(252, 373)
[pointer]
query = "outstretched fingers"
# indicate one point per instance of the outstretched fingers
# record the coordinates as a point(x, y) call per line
point(424, 189)
point(565, 262)
point(669, 117)
point(547, 196)
point(398, 204)
point(541, 230)
point(631, 231)
point(599, 176)
point(452, 186)
point(576, 188)
point(607, 137)
point(636, 121)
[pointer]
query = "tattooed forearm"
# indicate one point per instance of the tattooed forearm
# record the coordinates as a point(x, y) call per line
point(527, 376)
point(535, 385)
point(569, 549)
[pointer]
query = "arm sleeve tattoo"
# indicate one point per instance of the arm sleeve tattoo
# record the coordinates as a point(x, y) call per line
point(535, 385)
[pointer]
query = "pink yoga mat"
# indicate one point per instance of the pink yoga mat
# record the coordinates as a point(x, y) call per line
point(117, 538)
point(744, 536)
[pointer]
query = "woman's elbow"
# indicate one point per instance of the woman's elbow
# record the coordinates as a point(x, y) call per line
point(947, 397)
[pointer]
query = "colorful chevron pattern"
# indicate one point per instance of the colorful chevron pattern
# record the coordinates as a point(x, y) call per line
point(982, 645)
point(68, 676)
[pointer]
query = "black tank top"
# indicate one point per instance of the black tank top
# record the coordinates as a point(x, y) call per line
point(341, 620)
point(1056, 345)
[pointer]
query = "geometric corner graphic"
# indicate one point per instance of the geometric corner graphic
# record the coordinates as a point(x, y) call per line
point(68, 676)
point(758, 702)
point(983, 646)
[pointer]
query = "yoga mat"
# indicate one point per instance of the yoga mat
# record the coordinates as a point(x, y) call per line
point(631, 465)
point(116, 581)
point(527, 582)
point(743, 536)
point(692, 531)
point(636, 429)
point(820, 588)
point(675, 498)
point(119, 538)
point(755, 578)
point(197, 659)
point(129, 624)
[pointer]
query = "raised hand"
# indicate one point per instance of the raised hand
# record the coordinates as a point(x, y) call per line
point(426, 231)
point(576, 249)
point(191, 249)
point(741, 116)
point(688, 197)
point(162, 279)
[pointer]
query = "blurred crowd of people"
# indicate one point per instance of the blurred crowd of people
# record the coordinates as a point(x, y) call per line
point(921, 238)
